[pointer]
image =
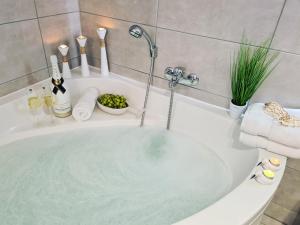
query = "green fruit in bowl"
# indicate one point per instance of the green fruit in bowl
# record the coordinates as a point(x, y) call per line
point(113, 101)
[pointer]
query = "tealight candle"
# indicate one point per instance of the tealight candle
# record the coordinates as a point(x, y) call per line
point(271, 164)
point(275, 162)
point(265, 176)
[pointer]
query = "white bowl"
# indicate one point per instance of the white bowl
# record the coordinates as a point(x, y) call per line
point(111, 110)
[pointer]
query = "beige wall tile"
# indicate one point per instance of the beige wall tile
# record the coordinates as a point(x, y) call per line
point(209, 58)
point(294, 163)
point(288, 193)
point(61, 29)
point(281, 214)
point(46, 7)
point(23, 81)
point(266, 220)
point(142, 11)
point(129, 73)
point(224, 19)
point(287, 37)
point(122, 49)
point(193, 93)
point(16, 10)
point(283, 83)
point(22, 51)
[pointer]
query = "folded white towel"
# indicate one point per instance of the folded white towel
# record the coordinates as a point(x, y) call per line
point(257, 122)
point(261, 142)
point(84, 108)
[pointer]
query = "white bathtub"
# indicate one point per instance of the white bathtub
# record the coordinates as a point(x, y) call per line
point(209, 124)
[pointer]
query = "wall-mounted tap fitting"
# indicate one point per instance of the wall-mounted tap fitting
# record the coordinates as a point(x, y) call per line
point(177, 75)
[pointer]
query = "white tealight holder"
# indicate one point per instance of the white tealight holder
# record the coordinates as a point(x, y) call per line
point(273, 164)
point(84, 64)
point(104, 64)
point(63, 49)
point(265, 177)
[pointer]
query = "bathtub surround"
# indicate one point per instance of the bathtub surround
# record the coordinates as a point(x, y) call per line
point(31, 31)
point(202, 35)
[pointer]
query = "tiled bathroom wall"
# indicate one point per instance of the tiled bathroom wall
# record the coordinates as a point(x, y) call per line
point(30, 32)
point(202, 35)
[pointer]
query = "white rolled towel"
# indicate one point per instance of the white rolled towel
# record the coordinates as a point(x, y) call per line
point(257, 122)
point(261, 142)
point(85, 106)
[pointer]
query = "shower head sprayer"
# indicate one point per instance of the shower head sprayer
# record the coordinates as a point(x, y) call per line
point(137, 32)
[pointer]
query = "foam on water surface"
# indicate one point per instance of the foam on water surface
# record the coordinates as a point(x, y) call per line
point(108, 176)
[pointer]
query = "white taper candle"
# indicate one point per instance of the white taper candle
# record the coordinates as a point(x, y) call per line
point(104, 64)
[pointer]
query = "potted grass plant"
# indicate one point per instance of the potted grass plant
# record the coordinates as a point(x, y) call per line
point(249, 69)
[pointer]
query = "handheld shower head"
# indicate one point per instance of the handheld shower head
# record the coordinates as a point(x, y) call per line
point(137, 32)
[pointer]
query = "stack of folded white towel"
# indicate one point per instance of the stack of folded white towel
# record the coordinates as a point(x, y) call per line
point(85, 106)
point(260, 130)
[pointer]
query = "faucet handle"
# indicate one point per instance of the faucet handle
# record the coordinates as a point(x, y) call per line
point(193, 78)
point(190, 80)
point(169, 71)
point(179, 71)
point(174, 74)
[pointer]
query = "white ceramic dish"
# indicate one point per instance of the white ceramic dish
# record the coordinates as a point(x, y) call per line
point(111, 110)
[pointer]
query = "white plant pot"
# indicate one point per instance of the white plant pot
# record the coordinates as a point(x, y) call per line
point(236, 111)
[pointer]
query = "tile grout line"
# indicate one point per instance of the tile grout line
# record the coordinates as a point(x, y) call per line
point(37, 17)
point(114, 18)
point(25, 75)
point(42, 39)
point(28, 74)
point(276, 219)
point(156, 22)
point(292, 168)
point(58, 14)
point(278, 20)
point(18, 21)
